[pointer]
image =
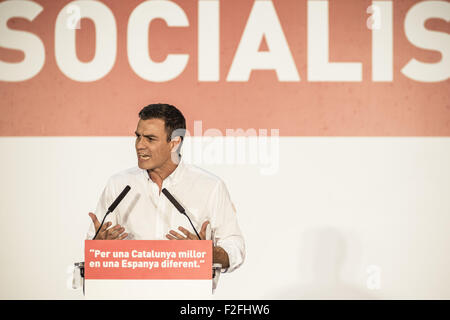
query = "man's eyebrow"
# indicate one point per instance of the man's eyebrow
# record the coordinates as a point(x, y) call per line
point(147, 136)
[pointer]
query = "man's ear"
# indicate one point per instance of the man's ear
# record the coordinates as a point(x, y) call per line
point(175, 143)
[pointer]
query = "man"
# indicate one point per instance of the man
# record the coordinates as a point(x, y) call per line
point(146, 213)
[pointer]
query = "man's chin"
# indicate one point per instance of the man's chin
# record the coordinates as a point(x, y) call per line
point(146, 165)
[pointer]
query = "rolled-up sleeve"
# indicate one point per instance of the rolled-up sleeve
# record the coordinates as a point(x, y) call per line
point(226, 231)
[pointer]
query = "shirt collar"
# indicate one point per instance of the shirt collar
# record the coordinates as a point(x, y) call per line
point(173, 178)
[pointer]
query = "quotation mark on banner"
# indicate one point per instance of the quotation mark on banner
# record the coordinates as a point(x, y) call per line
point(74, 17)
point(374, 279)
point(374, 21)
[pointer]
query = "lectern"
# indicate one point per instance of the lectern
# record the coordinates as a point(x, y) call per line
point(148, 269)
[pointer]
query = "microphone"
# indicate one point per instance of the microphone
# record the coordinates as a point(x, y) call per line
point(179, 208)
point(119, 198)
point(113, 206)
point(174, 202)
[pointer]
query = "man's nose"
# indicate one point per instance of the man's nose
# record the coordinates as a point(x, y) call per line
point(139, 144)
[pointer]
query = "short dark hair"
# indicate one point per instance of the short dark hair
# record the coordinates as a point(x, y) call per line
point(173, 118)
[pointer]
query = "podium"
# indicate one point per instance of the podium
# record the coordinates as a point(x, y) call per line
point(148, 269)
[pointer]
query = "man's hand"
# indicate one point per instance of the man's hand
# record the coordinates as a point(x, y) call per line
point(219, 254)
point(173, 235)
point(114, 233)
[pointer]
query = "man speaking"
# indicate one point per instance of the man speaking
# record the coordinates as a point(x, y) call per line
point(146, 213)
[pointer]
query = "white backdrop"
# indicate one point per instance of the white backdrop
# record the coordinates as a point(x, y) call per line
point(340, 216)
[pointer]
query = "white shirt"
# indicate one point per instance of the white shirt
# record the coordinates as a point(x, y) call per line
point(147, 214)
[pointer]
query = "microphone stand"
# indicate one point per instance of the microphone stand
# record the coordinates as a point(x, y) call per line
point(108, 212)
point(179, 208)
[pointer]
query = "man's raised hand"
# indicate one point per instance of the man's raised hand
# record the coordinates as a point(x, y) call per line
point(114, 233)
point(173, 235)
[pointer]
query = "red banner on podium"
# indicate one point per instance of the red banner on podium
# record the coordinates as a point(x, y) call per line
point(148, 259)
